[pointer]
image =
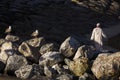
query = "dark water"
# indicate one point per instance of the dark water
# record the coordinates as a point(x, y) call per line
point(115, 42)
point(3, 77)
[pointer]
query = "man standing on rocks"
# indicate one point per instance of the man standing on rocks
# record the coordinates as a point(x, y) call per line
point(97, 37)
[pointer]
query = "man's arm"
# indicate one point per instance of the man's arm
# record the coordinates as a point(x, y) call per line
point(103, 34)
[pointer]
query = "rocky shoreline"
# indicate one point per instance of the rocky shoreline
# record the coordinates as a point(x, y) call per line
point(60, 51)
point(35, 59)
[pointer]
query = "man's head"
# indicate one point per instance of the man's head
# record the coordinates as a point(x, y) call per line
point(98, 25)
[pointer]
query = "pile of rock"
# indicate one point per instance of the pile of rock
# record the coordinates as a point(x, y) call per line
point(73, 60)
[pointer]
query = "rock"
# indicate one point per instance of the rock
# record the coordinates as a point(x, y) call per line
point(48, 47)
point(11, 38)
point(69, 47)
point(25, 50)
point(38, 70)
point(87, 76)
point(15, 62)
point(31, 53)
point(48, 71)
point(6, 51)
point(6, 46)
point(3, 57)
point(51, 58)
point(65, 77)
point(36, 42)
point(24, 72)
point(106, 66)
point(2, 41)
point(61, 69)
point(85, 51)
point(79, 66)
point(29, 72)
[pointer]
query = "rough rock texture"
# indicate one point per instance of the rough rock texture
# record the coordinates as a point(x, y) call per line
point(102, 6)
point(29, 72)
point(24, 72)
point(69, 46)
point(85, 51)
point(11, 38)
point(107, 66)
point(51, 58)
point(6, 51)
point(15, 62)
point(2, 41)
point(31, 51)
point(78, 66)
point(36, 42)
point(48, 47)
point(25, 50)
point(65, 77)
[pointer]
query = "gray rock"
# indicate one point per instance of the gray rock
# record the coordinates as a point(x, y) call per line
point(2, 41)
point(36, 42)
point(48, 47)
point(15, 62)
point(6, 51)
point(11, 38)
point(85, 51)
point(61, 69)
point(51, 58)
point(6, 46)
point(69, 47)
point(31, 53)
point(30, 72)
point(65, 77)
point(106, 66)
point(24, 72)
point(87, 76)
point(3, 57)
point(48, 71)
point(25, 50)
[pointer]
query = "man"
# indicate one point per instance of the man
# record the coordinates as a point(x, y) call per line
point(97, 37)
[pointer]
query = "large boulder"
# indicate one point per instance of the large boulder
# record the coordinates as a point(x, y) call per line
point(24, 71)
point(36, 42)
point(106, 66)
point(25, 50)
point(6, 51)
point(69, 46)
point(30, 52)
point(51, 58)
point(2, 41)
point(48, 47)
point(11, 38)
point(15, 62)
point(3, 57)
point(6, 46)
point(87, 51)
point(78, 66)
point(65, 77)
